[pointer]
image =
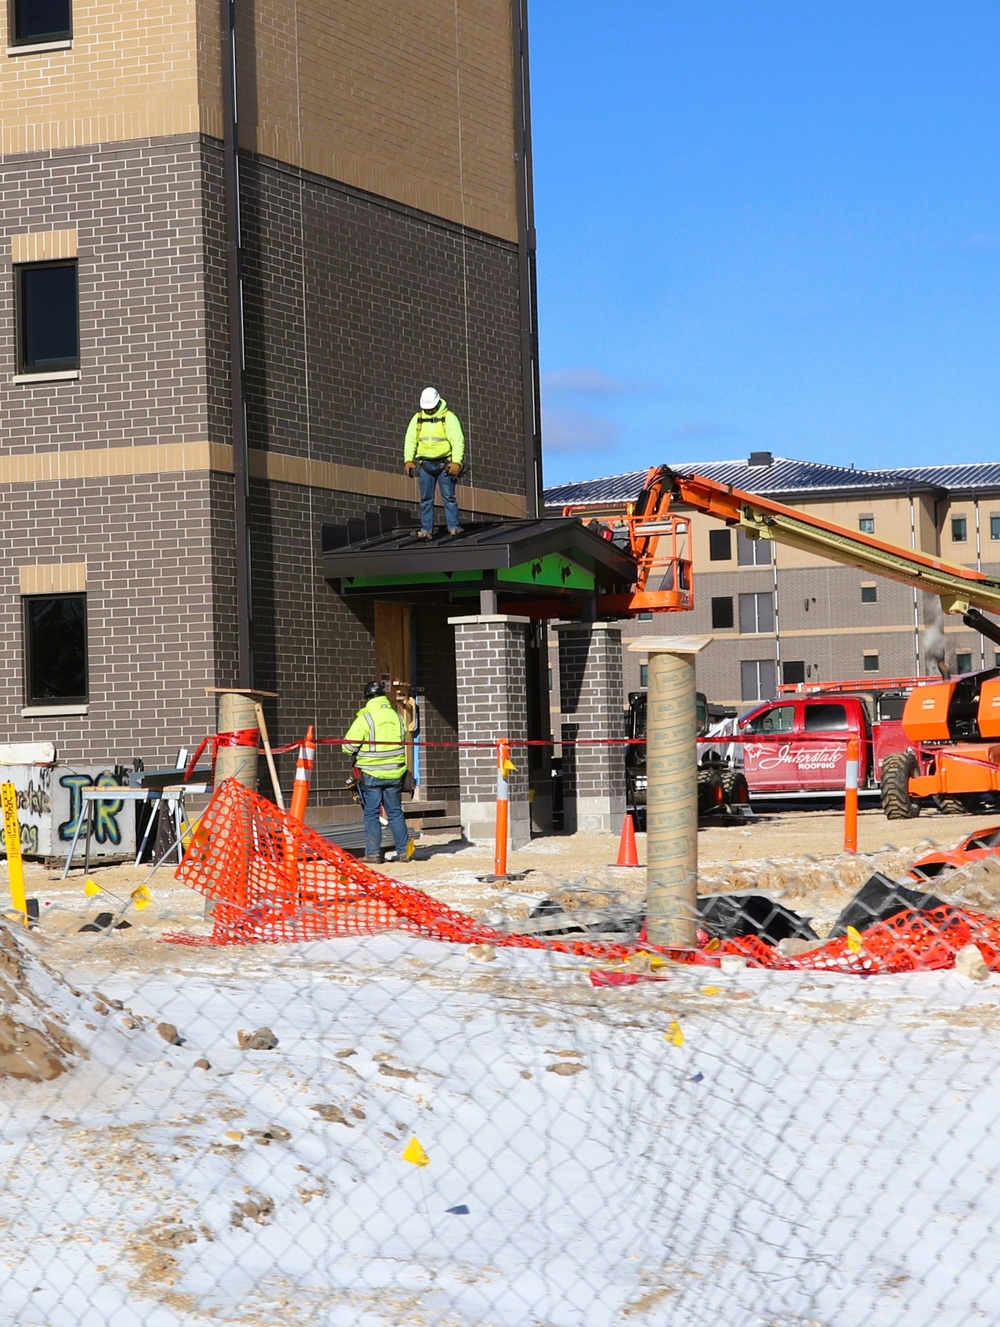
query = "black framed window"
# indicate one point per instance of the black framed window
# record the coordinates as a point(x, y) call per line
point(963, 661)
point(869, 594)
point(41, 20)
point(48, 317)
point(793, 671)
point(720, 546)
point(870, 661)
point(55, 649)
point(866, 523)
point(722, 612)
point(959, 529)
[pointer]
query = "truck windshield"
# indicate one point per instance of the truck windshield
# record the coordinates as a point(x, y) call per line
point(825, 718)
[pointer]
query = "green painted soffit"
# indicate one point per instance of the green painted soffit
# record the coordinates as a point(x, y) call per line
point(553, 570)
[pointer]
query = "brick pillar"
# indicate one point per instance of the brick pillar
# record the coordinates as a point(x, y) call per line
point(591, 684)
point(491, 668)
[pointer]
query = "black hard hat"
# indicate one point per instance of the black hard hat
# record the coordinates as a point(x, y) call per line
point(374, 689)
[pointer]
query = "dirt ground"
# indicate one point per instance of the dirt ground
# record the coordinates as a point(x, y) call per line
point(795, 855)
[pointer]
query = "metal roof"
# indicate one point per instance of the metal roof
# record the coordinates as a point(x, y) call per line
point(492, 546)
point(971, 477)
point(782, 477)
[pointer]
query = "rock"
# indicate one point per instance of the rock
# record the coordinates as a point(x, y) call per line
point(482, 953)
point(263, 1039)
point(327, 1111)
point(970, 963)
point(391, 1071)
point(202, 1063)
point(792, 945)
point(275, 1132)
point(564, 1068)
point(169, 1033)
point(732, 963)
point(345, 1054)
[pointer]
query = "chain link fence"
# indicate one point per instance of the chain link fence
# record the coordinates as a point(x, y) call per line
point(398, 1127)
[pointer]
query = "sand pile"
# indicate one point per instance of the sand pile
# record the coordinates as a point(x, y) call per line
point(34, 1043)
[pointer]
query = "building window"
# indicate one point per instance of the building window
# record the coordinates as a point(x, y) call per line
point(871, 661)
point(644, 617)
point(55, 649)
point(722, 613)
point(995, 525)
point(720, 546)
point(644, 675)
point(48, 325)
point(963, 662)
point(757, 679)
point(752, 552)
point(550, 678)
point(41, 20)
point(756, 613)
point(793, 671)
point(866, 523)
point(959, 530)
point(869, 594)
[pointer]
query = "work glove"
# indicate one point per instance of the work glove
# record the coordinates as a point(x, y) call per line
point(454, 469)
point(411, 469)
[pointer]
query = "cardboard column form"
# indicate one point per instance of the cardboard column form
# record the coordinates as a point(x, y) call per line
point(237, 711)
point(672, 789)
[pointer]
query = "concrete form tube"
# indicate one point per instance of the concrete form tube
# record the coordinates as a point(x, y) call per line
point(236, 712)
point(671, 801)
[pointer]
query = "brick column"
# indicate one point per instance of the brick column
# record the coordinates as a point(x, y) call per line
point(591, 684)
point(491, 668)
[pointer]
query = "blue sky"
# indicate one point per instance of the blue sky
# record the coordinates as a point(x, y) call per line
point(767, 225)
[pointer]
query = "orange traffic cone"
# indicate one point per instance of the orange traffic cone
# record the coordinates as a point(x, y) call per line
point(627, 855)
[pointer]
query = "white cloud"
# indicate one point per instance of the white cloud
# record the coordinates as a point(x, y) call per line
point(576, 431)
point(582, 380)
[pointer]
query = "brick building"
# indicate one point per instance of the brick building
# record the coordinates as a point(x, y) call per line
point(379, 240)
point(778, 614)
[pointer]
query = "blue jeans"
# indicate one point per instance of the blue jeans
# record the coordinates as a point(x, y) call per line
point(430, 473)
point(375, 793)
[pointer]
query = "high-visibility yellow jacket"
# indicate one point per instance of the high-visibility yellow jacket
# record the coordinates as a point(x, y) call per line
point(375, 740)
point(435, 436)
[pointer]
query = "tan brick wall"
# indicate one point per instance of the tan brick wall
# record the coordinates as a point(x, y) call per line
point(409, 99)
point(131, 72)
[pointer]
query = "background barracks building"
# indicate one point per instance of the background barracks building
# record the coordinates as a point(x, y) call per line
point(777, 614)
point(385, 222)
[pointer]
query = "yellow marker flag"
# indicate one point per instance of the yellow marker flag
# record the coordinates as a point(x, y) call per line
point(855, 940)
point(91, 888)
point(674, 1034)
point(509, 768)
point(141, 897)
point(711, 990)
point(415, 1154)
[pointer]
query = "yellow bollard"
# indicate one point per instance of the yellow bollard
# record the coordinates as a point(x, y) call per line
point(12, 837)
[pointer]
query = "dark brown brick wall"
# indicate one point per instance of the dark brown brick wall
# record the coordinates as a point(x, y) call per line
point(147, 545)
point(353, 304)
point(137, 208)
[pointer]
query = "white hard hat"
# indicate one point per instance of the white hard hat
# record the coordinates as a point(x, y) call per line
point(429, 398)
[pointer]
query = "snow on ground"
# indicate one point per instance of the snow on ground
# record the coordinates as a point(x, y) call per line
point(819, 1150)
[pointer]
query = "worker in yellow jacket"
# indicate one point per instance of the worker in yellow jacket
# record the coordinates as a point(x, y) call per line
point(374, 742)
point(434, 451)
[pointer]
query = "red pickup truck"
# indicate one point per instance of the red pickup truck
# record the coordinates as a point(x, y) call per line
point(803, 749)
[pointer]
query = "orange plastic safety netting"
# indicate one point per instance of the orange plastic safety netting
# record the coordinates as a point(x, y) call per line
point(273, 879)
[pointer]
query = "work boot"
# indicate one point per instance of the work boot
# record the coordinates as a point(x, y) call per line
point(372, 861)
point(424, 534)
point(456, 531)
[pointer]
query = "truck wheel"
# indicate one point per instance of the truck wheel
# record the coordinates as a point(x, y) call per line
point(897, 770)
point(735, 788)
point(951, 806)
point(710, 792)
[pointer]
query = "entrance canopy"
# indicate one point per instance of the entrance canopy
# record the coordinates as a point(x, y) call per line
point(546, 568)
